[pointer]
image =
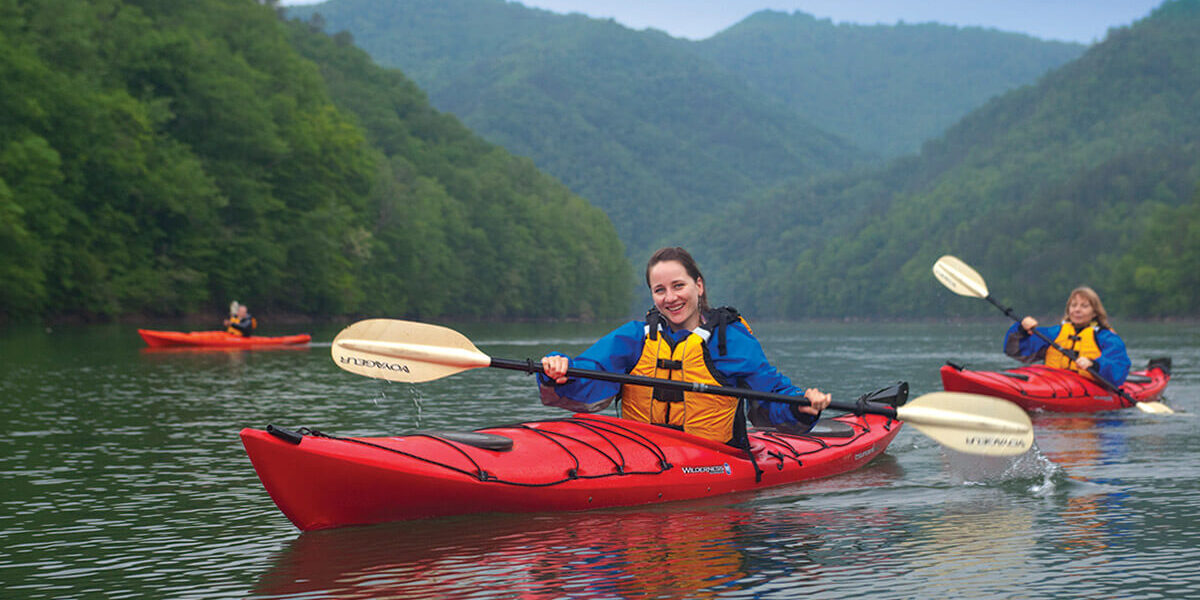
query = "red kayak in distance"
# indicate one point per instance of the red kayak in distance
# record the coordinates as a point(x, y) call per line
point(587, 461)
point(216, 339)
point(1038, 387)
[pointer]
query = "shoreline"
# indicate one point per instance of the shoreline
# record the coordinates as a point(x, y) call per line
point(208, 319)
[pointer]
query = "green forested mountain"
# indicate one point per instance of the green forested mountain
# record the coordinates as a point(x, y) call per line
point(886, 88)
point(166, 157)
point(634, 121)
point(1090, 177)
point(645, 125)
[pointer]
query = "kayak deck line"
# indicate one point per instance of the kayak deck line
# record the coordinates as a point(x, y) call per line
point(455, 440)
point(619, 468)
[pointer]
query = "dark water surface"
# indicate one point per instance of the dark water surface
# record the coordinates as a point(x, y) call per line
point(121, 475)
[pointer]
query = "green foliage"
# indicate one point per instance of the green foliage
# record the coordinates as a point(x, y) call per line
point(1090, 177)
point(457, 225)
point(165, 157)
point(1160, 275)
point(887, 88)
point(634, 121)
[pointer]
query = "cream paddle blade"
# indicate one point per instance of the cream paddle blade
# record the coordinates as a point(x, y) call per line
point(959, 277)
point(405, 351)
point(1155, 407)
point(970, 423)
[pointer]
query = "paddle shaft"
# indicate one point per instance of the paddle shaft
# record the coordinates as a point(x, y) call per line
point(1071, 354)
point(858, 407)
point(965, 422)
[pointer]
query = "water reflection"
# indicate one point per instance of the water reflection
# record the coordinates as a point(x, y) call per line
point(1078, 443)
point(1081, 441)
point(684, 553)
point(967, 544)
point(700, 549)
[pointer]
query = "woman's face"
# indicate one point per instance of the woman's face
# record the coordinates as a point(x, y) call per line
point(1079, 310)
point(676, 294)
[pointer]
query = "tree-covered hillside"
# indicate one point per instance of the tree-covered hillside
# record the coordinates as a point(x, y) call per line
point(886, 88)
point(1090, 177)
point(634, 121)
point(167, 157)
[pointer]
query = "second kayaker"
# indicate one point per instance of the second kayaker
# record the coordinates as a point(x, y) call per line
point(1084, 329)
point(682, 338)
point(241, 322)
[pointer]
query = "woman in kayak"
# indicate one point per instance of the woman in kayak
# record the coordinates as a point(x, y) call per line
point(681, 339)
point(1084, 329)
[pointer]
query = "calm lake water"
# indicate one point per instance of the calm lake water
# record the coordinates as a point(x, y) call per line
point(121, 475)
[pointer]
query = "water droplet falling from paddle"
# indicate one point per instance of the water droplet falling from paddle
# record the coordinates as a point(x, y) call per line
point(414, 394)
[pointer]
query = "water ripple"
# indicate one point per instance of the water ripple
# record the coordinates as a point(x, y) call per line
point(121, 475)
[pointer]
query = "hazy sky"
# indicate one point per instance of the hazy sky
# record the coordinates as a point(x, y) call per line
point(1084, 21)
point(1074, 20)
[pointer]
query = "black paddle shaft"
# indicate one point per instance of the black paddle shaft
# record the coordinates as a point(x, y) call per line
point(858, 407)
point(1071, 354)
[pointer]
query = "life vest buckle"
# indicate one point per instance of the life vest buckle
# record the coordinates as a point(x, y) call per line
point(667, 395)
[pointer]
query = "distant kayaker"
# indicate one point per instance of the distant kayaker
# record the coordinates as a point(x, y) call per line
point(241, 323)
point(1084, 329)
point(682, 338)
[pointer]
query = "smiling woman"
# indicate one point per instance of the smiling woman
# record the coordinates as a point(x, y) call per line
point(683, 339)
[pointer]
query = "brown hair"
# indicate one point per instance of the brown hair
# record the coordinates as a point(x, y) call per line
point(1093, 298)
point(682, 257)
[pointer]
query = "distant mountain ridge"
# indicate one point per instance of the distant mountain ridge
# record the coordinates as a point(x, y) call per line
point(1092, 176)
point(623, 142)
point(645, 126)
point(887, 88)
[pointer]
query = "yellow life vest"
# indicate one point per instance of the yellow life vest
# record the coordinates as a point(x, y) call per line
point(234, 330)
point(708, 416)
point(1081, 341)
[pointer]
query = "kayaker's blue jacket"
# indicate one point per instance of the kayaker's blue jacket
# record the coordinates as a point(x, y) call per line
point(1112, 364)
point(743, 365)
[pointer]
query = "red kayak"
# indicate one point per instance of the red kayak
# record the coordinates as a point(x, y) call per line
point(1038, 387)
point(586, 461)
point(216, 339)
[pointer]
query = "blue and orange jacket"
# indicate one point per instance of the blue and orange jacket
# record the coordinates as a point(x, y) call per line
point(1112, 363)
point(734, 354)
